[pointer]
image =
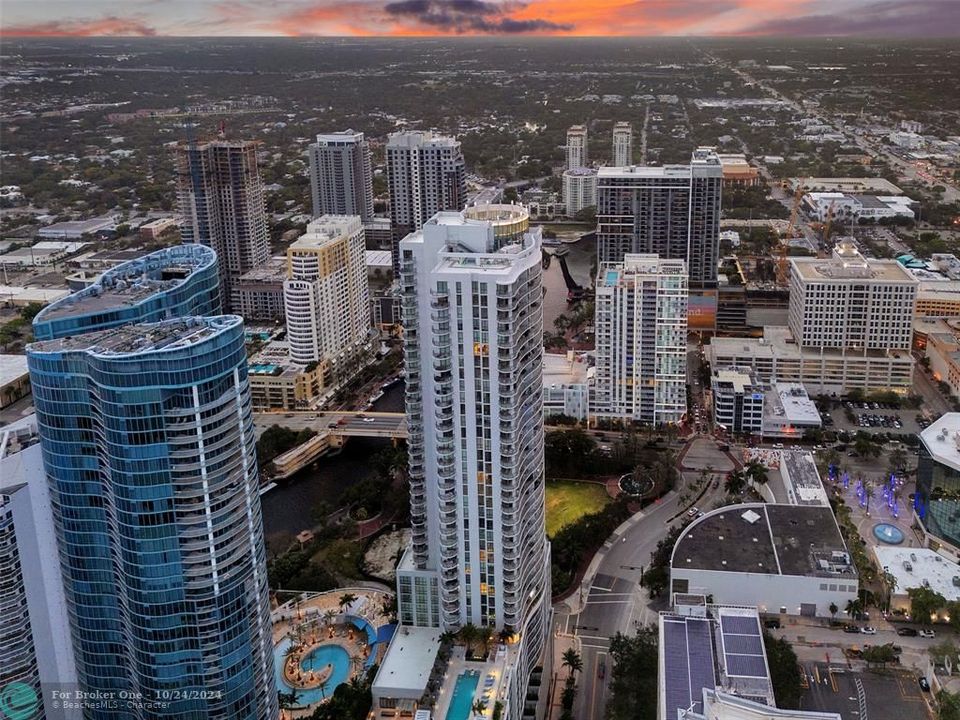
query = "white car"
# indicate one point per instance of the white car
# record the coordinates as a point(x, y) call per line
point(369, 419)
point(868, 630)
point(927, 634)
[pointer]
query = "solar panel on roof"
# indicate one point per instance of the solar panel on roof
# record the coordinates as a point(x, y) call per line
point(743, 644)
point(700, 654)
point(740, 624)
point(746, 666)
point(676, 676)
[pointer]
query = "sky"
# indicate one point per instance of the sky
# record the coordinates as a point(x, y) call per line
point(789, 18)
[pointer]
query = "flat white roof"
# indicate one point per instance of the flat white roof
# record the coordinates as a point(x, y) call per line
point(567, 369)
point(925, 565)
point(12, 368)
point(790, 402)
point(406, 666)
point(379, 258)
point(942, 440)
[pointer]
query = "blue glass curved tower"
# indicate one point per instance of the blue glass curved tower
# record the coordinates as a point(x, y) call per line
point(148, 444)
point(179, 281)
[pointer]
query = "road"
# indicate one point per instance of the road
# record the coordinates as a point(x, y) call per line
point(366, 424)
point(615, 601)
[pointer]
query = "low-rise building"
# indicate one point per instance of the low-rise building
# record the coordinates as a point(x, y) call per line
point(788, 559)
point(712, 664)
point(14, 379)
point(76, 229)
point(913, 568)
point(567, 384)
point(277, 382)
point(155, 229)
point(839, 206)
point(776, 357)
point(737, 400)
point(405, 672)
point(788, 411)
point(378, 232)
point(936, 503)
point(738, 172)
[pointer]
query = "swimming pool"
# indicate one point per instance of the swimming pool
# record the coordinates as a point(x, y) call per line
point(462, 701)
point(316, 659)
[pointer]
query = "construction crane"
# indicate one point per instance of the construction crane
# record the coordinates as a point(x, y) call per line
point(782, 274)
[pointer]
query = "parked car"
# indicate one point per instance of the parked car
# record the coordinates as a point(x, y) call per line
point(851, 629)
point(906, 632)
point(927, 633)
point(692, 512)
point(868, 630)
point(924, 685)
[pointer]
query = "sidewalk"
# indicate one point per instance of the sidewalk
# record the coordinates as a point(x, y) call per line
point(561, 644)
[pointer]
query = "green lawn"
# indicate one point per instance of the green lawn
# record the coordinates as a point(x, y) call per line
point(568, 500)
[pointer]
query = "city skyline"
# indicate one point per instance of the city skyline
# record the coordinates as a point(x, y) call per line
point(291, 18)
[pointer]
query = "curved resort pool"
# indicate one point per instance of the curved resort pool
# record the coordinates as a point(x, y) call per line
point(316, 659)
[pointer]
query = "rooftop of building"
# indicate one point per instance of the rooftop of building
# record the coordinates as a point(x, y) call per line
point(568, 369)
point(738, 379)
point(17, 436)
point(326, 229)
point(348, 135)
point(473, 244)
point(408, 662)
point(850, 266)
point(275, 270)
point(790, 402)
point(613, 274)
point(848, 183)
point(133, 281)
point(413, 138)
point(497, 213)
point(801, 479)
point(942, 440)
point(379, 258)
point(719, 704)
point(778, 342)
point(710, 647)
point(12, 368)
point(137, 339)
point(581, 172)
point(765, 539)
point(274, 360)
point(920, 567)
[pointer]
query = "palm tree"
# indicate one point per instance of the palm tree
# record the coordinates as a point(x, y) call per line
point(736, 482)
point(468, 635)
point(854, 607)
point(346, 600)
point(484, 634)
point(329, 615)
point(833, 610)
point(505, 634)
point(479, 707)
point(572, 660)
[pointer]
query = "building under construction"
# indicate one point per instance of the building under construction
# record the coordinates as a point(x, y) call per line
point(220, 193)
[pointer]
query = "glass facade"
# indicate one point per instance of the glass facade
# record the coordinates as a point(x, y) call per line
point(937, 500)
point(179, 281)
point(149, 448)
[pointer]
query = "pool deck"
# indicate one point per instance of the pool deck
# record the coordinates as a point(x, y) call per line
point(492, 667)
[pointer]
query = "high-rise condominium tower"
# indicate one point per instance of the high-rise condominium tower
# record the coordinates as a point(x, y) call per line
point(169, 283)
point(577, 147)
point(641, 338)
point(341, 176)
point(672, 211)
point(426, 174)
point(326, 297)
point(472, 315)
point(220, 193)
point(622, 144)
point(35, 644)
point(149, 449)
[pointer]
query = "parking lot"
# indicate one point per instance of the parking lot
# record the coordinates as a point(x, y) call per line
point(882, 418)
point(875, 694)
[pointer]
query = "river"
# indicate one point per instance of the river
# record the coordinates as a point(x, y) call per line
point(289, 507)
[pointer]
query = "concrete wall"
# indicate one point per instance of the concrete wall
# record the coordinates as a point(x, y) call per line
point(768, 592)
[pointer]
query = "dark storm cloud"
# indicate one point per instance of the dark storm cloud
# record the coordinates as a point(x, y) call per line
point(468, 16)
point(912, 18)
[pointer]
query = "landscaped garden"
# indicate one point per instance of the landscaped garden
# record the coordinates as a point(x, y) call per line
point(569, 500)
